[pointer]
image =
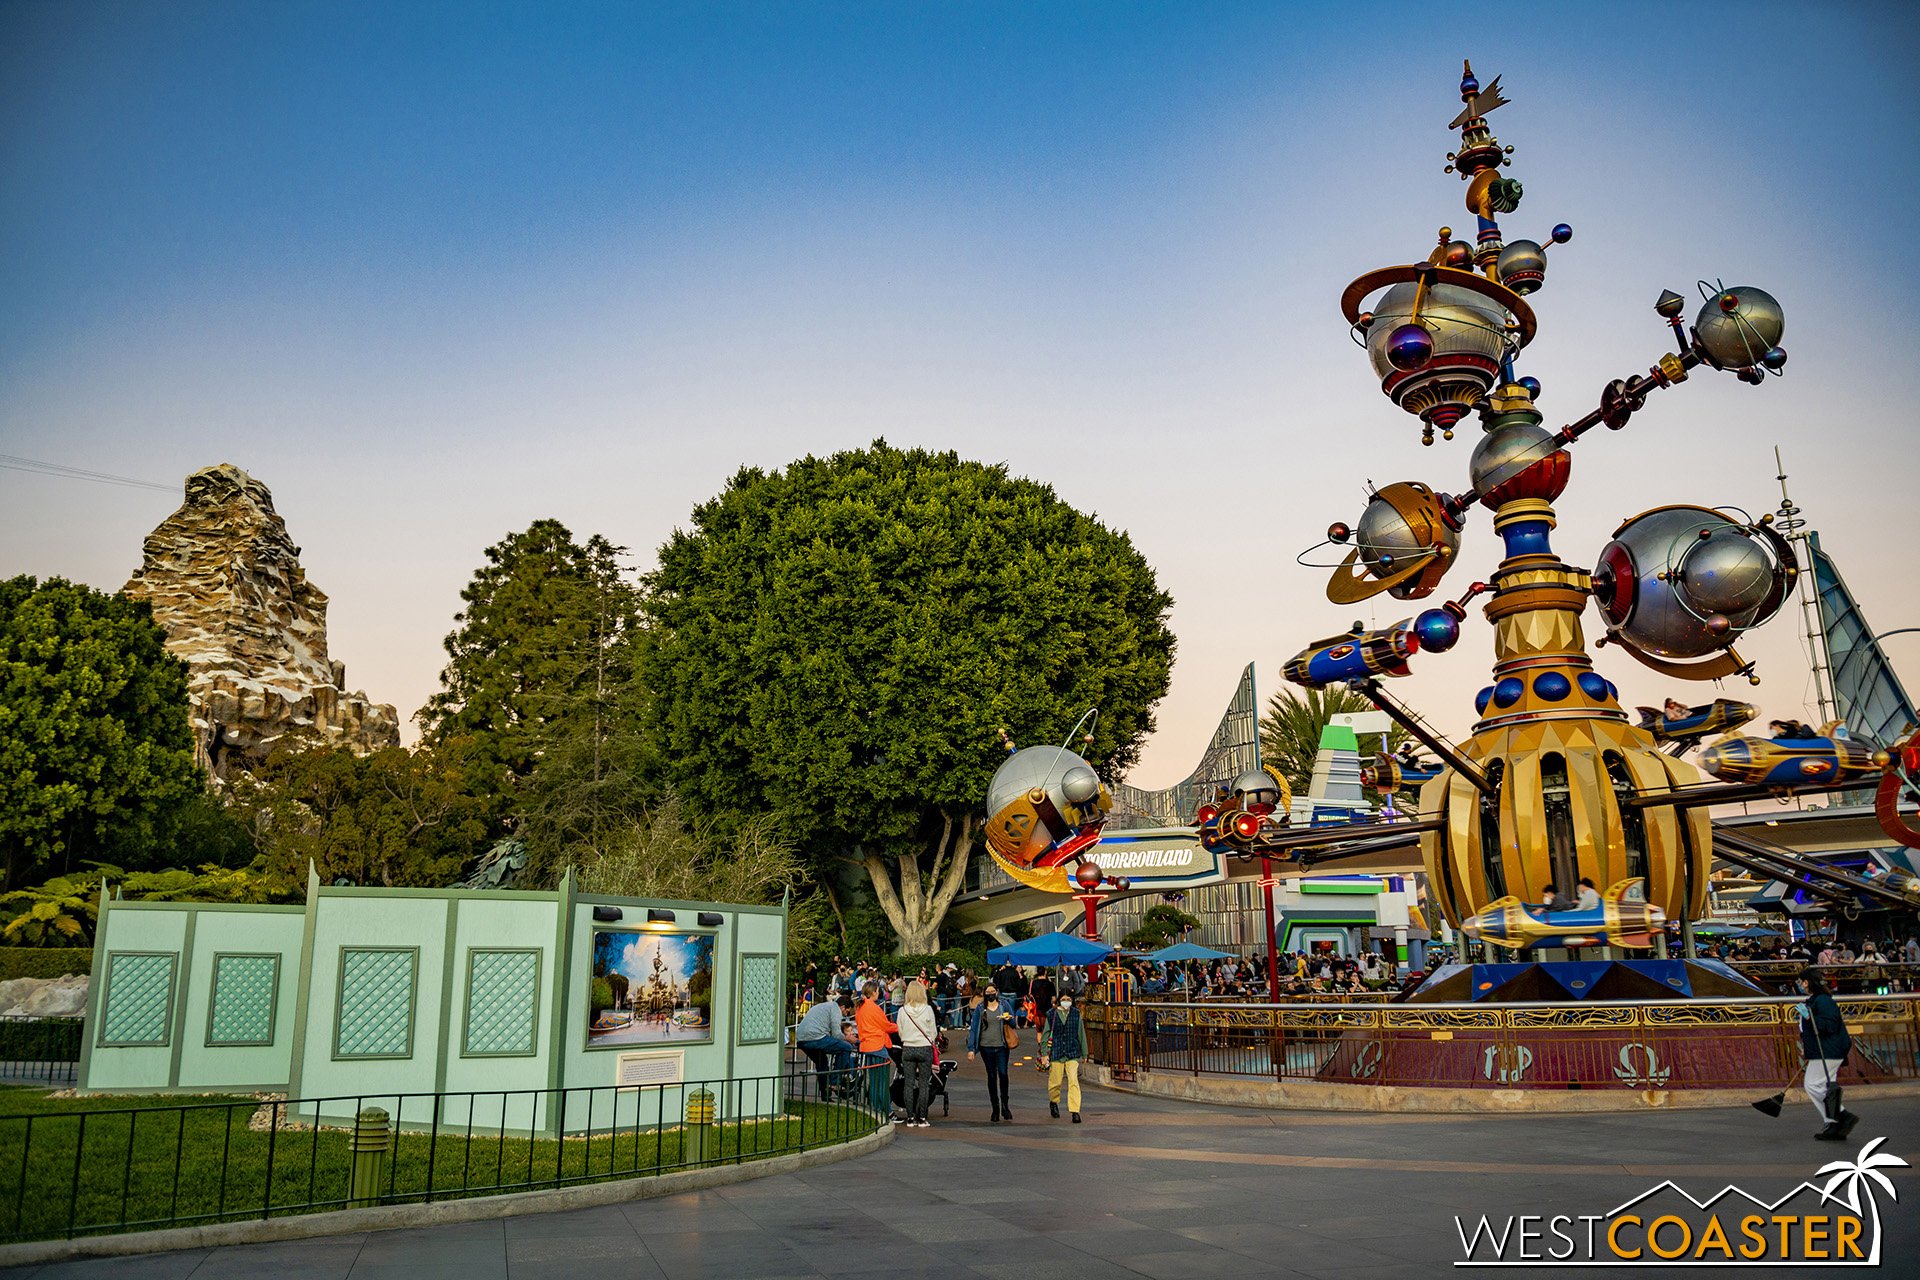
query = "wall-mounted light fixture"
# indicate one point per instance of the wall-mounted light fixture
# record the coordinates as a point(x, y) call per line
point(607, 914)
point(712, 919)
point(659, 915)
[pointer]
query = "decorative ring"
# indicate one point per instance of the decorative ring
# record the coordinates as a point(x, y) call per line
point(1473, 282)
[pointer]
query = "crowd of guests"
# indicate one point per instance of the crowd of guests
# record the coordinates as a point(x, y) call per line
point(861, 1026)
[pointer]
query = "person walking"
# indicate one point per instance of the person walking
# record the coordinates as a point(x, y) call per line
point(991, 1034)
point(1062, 1044)
point(919, 1025)
point(1824, 1043)
point(875, 1030)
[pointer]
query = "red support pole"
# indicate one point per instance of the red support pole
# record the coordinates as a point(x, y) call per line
point(1273, 946)
point(1091, 901)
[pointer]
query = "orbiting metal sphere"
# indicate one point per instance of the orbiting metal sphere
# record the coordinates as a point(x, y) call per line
point(1518, 459)
point(1408, 347)
point(1459, 255)
point(1683, 582)
point(1038, 797)
point(1080, 784)
point(1403, 525)
point(1743, 336)
point(1260, 791)
point(1469, 339)
point(1521, 266)
point(1438, 629)
point(1087, 876)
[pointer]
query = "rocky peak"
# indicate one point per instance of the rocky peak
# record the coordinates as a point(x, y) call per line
point(225, 584)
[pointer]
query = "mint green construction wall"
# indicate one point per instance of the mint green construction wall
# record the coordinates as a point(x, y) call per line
point(196, 935)
point(742, 930)
point(425, 1039)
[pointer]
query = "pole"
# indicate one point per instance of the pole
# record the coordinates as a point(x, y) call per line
point(1091, 901)
point(1273, 946)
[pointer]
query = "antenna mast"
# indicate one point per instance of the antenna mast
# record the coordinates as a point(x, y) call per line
point(1795, 529)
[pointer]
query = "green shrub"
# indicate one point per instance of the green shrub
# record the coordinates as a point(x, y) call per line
point(962, 958)
point(44, 962)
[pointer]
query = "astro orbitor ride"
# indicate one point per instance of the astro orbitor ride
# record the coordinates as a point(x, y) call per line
point(1556, 783)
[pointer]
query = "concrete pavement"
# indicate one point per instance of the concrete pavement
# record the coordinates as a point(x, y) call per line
point(1145, 1188)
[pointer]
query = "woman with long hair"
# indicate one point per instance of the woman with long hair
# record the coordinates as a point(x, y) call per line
point(919, 1026)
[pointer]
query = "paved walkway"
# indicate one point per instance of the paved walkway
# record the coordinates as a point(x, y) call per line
point(1145, 1188)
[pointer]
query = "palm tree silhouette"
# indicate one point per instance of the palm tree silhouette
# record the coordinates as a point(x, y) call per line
point(1850, 1179)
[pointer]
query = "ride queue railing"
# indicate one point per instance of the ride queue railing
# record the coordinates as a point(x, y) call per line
point(1681, 1044)
point(40, 1048)
point(143, 1163)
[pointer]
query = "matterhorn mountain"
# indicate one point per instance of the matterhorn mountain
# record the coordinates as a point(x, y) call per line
point(226, 586)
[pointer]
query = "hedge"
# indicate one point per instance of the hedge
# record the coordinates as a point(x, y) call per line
point(44, 962)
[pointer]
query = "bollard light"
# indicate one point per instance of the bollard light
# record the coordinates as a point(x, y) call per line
point(699, 1130)
point(372, 1138)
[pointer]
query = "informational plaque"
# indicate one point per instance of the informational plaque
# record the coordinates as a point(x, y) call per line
point(650, 1068)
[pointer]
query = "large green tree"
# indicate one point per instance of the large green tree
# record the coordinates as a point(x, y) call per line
point(393, 818)
point(1290, 730)
point(836, 644)
point(96, 758)
point(540, 678)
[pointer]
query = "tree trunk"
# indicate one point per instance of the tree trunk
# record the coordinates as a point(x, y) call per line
point(918, 902)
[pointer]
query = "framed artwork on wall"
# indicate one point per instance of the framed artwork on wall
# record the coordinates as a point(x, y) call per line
point(650, 986)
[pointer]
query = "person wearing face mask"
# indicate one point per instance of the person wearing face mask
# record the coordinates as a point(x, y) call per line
point(989, 1030)
point(1062, 1044)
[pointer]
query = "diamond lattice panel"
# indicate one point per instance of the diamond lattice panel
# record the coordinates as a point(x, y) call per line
point(243, 989)
point(139, 1000)
point(501, 999)
point(376, 1004)
point(759, 997)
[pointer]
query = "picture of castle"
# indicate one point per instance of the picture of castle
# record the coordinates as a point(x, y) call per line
point(650, 988)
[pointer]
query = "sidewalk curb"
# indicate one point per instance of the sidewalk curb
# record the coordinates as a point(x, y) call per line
point(395, 1217)
point(1316, 1095)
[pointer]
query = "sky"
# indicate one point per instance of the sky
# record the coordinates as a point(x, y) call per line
point(435, 271)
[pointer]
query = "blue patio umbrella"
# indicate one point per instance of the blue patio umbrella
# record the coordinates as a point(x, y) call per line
point(1051, 949)
point(1184, 951)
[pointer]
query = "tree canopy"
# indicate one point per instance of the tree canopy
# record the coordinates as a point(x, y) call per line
point(393, 818)
point(540, 679)
point(838, 643)
point(96, 757)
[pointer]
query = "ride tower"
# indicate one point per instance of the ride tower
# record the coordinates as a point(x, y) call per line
point(1555, 784)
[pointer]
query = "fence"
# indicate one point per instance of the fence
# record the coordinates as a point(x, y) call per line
point(148, 1163)
point(1882, 978)
point(33, 1048)
point(1680, 1044)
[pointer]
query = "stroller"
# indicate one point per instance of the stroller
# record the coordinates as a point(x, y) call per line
point(936, 1080)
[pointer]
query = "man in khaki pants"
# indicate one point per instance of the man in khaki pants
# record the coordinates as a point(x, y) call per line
point(1062, 1045)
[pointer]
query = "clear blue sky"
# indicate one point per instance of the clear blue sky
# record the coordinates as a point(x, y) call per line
point(434, 271)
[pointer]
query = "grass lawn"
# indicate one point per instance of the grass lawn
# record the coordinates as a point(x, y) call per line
point(84, 1166)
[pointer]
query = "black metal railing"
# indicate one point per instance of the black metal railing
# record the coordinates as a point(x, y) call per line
point(36, 1048)
point(144, 1163)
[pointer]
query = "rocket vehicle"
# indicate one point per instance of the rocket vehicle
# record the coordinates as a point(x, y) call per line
point(1904, 883)
point(1623, 918)
point(1386, 773)
point(1722, 715)
point(1827, 759)
point(1354, 656)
